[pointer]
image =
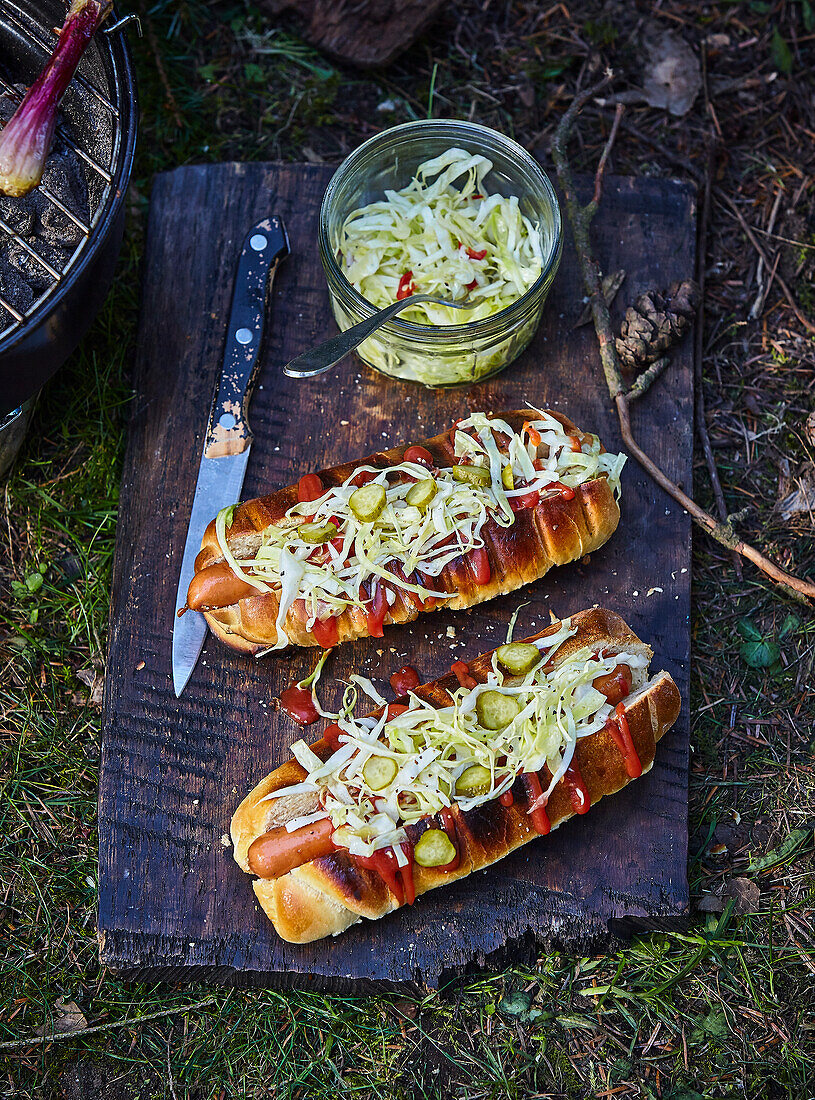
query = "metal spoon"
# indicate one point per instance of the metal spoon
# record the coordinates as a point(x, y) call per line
point(325, 355)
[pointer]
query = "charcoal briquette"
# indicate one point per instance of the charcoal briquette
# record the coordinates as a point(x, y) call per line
point(14, 290)
point(18, 214)
point(37, 276)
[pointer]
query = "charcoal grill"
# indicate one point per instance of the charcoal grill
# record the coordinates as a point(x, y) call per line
point(99, 121)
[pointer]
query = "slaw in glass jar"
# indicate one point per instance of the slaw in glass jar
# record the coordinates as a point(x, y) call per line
point(409, 347)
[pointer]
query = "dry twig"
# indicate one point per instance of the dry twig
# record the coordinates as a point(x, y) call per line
point(751, 237)
point(699, 392)
point(48, 1037)
point(580, 218)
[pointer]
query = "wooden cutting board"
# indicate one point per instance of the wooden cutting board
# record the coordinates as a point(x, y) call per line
point(172, 900)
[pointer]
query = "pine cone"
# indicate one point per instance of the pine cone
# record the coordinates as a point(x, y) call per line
point(655, 322)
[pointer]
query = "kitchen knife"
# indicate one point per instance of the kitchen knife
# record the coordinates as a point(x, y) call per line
point(229, 438)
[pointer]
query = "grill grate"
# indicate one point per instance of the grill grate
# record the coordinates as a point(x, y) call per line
point(104, 174)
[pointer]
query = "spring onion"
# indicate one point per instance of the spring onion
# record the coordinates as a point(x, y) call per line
point(26, 138)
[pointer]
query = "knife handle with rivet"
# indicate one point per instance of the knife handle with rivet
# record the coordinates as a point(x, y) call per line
point(228, 431)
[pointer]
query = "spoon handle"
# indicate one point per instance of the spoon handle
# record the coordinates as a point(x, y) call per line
point(325, 355)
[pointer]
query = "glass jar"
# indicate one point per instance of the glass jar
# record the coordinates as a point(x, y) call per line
point(439, 355)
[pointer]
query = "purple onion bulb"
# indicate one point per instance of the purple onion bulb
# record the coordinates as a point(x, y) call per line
point(26, 138)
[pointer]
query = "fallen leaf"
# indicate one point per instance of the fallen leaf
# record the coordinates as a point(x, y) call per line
point(744, 892)
point(801, 497)
point(66, 1016)
point(94, 679)
point(673, 76)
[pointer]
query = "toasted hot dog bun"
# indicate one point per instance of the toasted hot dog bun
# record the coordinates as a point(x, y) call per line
point(325, 895)
point(553, 532)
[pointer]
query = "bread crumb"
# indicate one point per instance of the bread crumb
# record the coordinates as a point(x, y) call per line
point(226, 840)
point(651, 591)
point(139, 666)
point(451, 632)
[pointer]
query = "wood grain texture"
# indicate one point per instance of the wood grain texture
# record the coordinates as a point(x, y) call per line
point(172, 901)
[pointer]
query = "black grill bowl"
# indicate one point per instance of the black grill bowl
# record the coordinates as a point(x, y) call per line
point(102, 112)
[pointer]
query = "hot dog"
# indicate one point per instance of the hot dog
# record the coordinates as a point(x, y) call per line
point(280, 851)
point(476, 512)
point(455, 780)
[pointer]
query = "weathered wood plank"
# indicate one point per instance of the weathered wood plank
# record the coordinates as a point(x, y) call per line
point(172, 900)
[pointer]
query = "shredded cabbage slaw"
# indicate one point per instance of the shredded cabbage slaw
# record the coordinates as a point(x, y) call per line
point(432, 748)
point(443, 234)
point(345, 572)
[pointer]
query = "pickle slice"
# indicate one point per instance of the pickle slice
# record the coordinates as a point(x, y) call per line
point(379, 771)
point(368, 502)
point(495, 711)
point(479, 476)
point(434, 848)
point(518, 657)
point(316, 532)
point(473, 781)
point(508, 478)
point(421, 494)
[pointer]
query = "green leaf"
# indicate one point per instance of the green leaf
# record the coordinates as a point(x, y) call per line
point(33, 582)
point(714, 1025)
point(577, 1021)
point(806, 10)
point(781, 853)
point(780, 52)
point(597, 990)
point(254, 73)
point(790, 624)
point(748, 630)
point(515, 1004)
point(759, 654)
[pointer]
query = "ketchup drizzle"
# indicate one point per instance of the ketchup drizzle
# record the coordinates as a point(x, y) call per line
point(375, 611)
point(399, 880)
point(462, 674)
point(309, 487)
point(619, 730)
point(298, 704)
point(540, 818)
point(326, 632)
point(405, 680)
point(578, 793)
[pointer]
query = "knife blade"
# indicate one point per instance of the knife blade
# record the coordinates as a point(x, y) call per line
point(228, 440)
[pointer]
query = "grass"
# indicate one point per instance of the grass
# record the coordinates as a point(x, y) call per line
point(722, 1009)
